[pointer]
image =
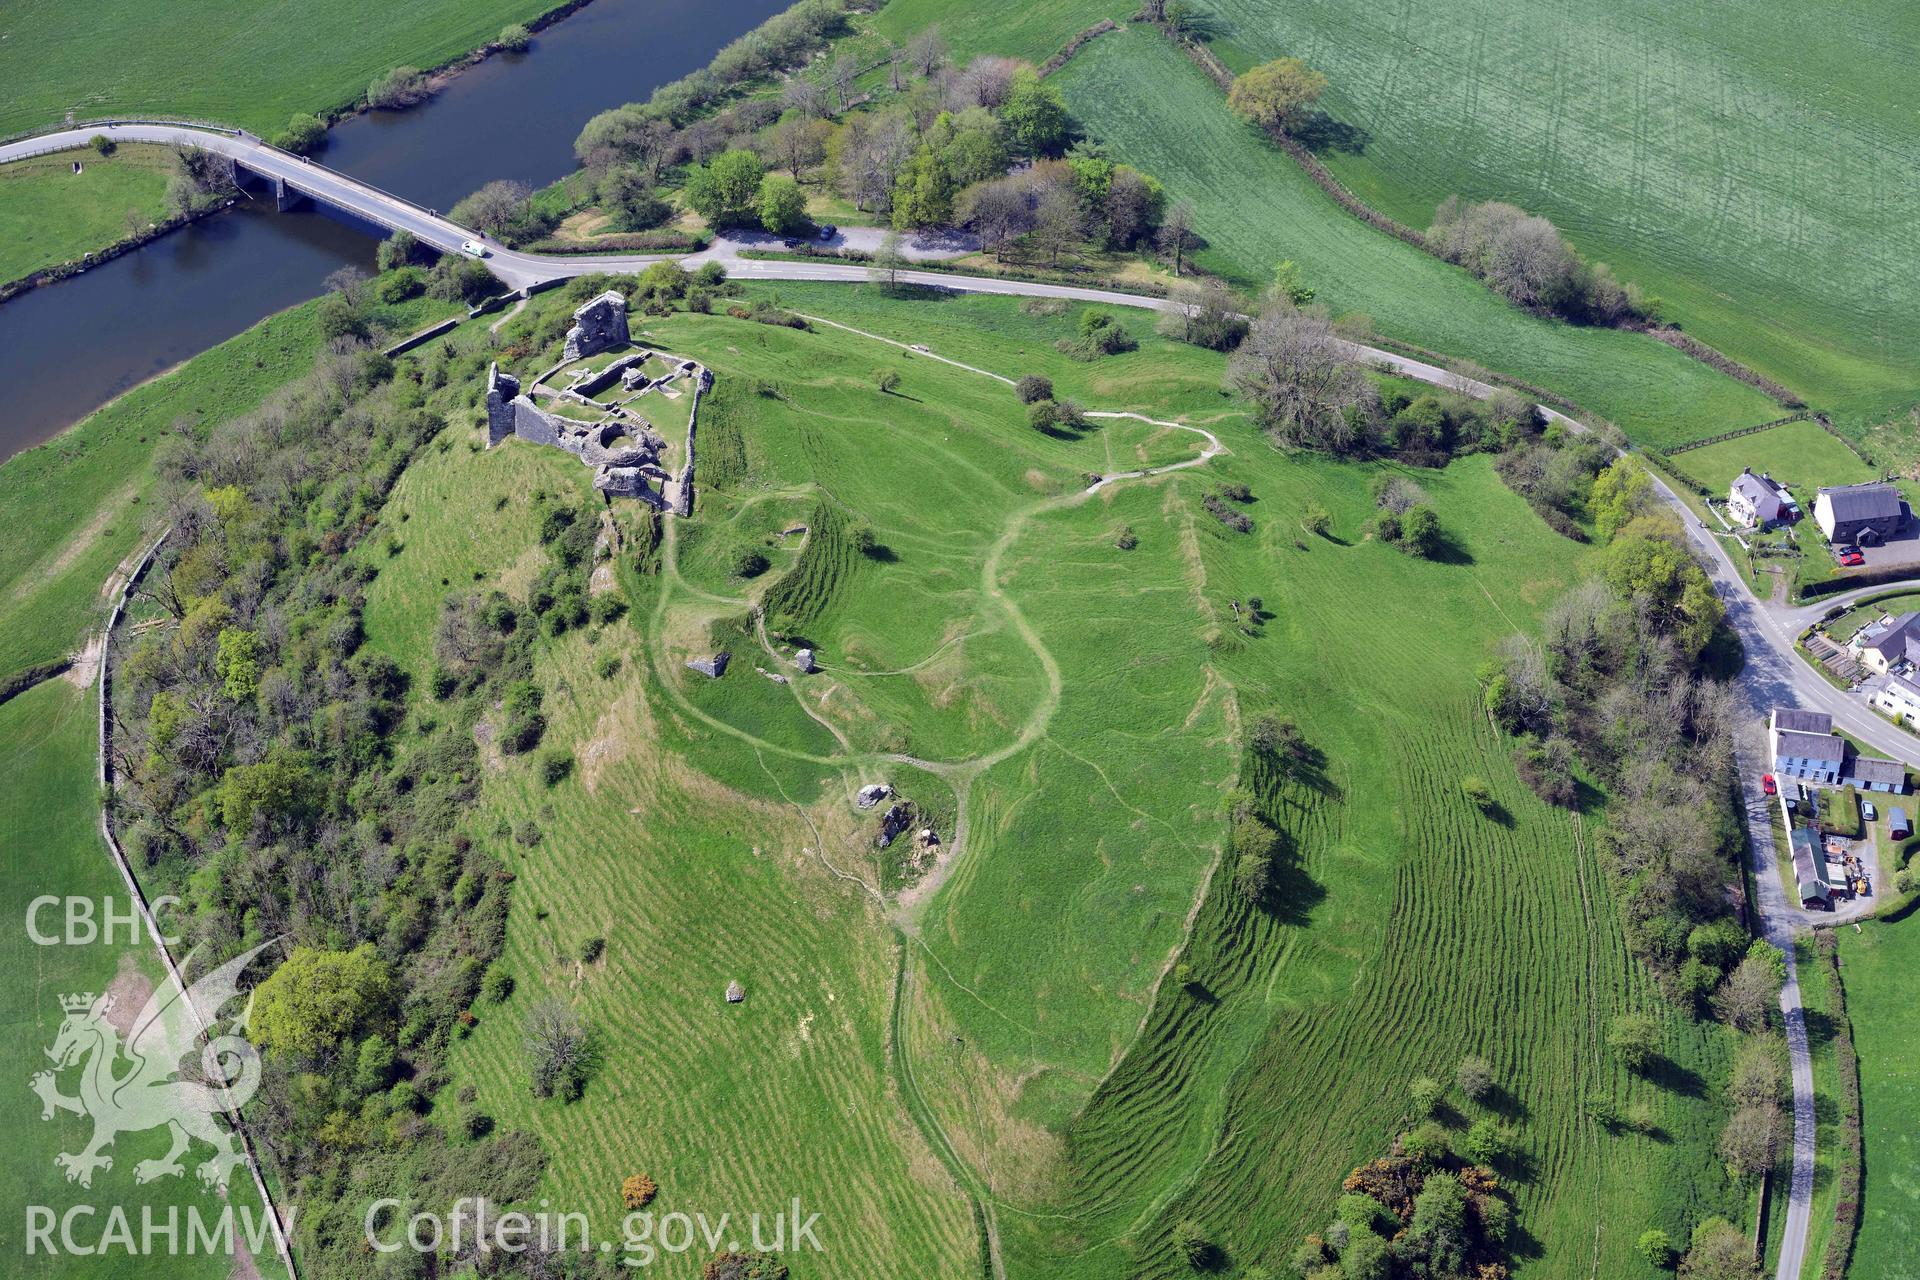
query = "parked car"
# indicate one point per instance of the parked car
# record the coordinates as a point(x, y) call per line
point(1868, 812)
point(829, 231)
point(1848, 549)
point(1767, 784)
point(1852, 559)
point(790, 243)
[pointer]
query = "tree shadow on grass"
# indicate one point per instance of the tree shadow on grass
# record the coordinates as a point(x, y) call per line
point(1674, 1078)
point(1322, 133)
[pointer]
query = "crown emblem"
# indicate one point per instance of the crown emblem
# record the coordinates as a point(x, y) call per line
point(78, 1003)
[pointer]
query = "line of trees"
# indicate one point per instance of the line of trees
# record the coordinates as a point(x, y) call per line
point(1524, 258)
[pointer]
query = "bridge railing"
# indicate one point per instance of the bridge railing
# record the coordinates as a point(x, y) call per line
point(181, 121)
point(253, 140)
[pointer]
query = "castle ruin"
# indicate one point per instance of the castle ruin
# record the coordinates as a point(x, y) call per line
point(627, 455)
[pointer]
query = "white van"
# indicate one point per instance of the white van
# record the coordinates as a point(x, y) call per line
point(473, 248)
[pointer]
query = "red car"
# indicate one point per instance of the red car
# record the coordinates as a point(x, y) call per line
point(1766, 783)
point(1853, 560)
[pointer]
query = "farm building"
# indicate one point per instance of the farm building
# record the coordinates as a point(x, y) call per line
point(1760, 501)
point(1809, 871)
point(1898, 825)
point(1877, 775)
point(1868, 513)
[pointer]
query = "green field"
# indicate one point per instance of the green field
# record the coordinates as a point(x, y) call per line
point(50, 215)
point(75, 507)
point(49, 812)
point(1077, 708)
point(1801, 455)
point(1750, 163)
point(1034, 31)
point(233, 62)
point(1878, 966)
point(1255, 207)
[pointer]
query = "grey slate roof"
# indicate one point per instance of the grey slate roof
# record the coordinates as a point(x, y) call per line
point(1872, 501)
point(1809, 746)
point(1897, 634)
point(1763, 492)
point(1802, 721)
point(1867, 770)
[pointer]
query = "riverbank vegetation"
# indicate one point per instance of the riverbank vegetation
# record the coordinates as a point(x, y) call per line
point(83, 502)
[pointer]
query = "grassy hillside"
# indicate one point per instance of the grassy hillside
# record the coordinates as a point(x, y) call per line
point(232, 61)
point(1067, 715)
point(1750, 163)
point(49, 806)
point(1255, 207)
point(50, 214)
point(1878, 967)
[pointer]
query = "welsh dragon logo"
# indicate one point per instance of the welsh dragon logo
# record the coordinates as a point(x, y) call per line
point(150, 1094)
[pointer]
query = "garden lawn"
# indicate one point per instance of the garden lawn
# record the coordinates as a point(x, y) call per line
point(50, 214)
point(231, 61)
point(1878, 965)
point(1752, 164)
point(1255, 206)
point(49, 811)
point(1802, 455)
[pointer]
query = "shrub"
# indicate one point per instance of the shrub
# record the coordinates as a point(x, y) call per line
point(497, 985)
point(1033, 387)
point(102, 144)
point(1126, 540)
point(1478, 793)
point(1487, 1142)
point(515, 38)
point(400, 284)
point(1475, 1077)
point(1100, 334)
point(1426, 1093)
point(400, 87)
point(750, 562)
point(555, 766)
point(607, 665)
point(1427, 1142)
point(637, 1190)
point(1193, 1244)
point(1316, 520)
point(476, 1124)
point(592, 949)
point(1636, 1041)
point(1656, 1246)
point(303, 134)
point(887, 380)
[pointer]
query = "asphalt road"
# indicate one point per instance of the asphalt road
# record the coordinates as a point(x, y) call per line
point(1774, 675)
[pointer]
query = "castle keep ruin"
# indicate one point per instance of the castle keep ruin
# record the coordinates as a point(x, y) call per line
point(599, 325)
point(589, 408)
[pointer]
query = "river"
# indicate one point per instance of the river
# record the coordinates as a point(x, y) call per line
point(67, 349)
